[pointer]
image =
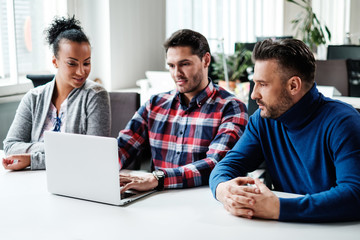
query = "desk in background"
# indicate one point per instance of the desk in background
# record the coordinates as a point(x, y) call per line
point(353, 101)
point(29, 211)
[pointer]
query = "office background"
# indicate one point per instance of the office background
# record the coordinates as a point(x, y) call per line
point(127, 35)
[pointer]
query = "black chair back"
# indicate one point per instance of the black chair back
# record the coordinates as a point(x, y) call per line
point(353, 69)
point(38, 80)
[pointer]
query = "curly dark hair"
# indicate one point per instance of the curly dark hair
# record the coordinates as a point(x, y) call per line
point(64, 28)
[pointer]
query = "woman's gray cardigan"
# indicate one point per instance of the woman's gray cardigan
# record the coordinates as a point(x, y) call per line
point(88, 112)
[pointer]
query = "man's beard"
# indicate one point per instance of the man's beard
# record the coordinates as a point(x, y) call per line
point(284, 102)
point(196, 81)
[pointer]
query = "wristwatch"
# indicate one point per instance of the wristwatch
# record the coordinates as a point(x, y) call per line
point(160, 176)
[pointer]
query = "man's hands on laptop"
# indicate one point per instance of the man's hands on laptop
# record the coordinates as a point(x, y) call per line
point(140, 183)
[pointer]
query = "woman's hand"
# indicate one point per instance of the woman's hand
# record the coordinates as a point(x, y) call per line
point(16, 161)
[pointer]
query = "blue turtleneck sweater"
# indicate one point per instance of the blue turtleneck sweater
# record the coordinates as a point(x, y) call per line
point(312, 149)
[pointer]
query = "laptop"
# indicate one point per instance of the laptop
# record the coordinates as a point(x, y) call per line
point(85, 167)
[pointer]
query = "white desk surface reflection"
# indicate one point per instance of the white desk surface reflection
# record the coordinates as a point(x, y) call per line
point(29, 211)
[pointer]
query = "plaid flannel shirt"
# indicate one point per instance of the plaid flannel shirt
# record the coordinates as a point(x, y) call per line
point(185, 141)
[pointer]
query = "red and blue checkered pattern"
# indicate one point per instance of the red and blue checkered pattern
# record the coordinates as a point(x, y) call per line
point(185, 141)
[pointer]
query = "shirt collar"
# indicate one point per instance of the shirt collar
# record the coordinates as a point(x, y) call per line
point(200, 98)
point(302, 111)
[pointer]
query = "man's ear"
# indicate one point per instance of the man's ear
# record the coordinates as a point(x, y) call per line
point(54, 61)
point(295, 85)
point(206, 59)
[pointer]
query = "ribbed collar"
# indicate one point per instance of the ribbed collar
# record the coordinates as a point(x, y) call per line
point(303, 111)
point(200, 98)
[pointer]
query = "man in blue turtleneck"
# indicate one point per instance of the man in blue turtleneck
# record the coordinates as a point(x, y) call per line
point(310, 143)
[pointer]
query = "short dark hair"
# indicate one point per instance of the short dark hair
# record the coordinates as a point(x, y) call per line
point(188, 38)
point(293, 55)
point(64, 28)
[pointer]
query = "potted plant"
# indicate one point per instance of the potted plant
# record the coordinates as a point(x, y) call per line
point(237, 65)
point(308, 25)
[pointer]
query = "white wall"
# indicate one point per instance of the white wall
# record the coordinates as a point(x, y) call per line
point(95, 20)
point(354, 21)
point(137, 34)
point(290, 12)
point(126, 38)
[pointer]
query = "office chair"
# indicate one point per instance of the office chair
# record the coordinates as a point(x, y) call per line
point(123, 107)
point(332, 73)
point(38, 80)
point(252, 105)
point(353, 70)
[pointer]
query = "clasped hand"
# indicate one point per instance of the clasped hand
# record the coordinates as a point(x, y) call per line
point(140, 183)
point(246, 201)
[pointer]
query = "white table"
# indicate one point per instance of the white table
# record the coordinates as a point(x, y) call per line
point(353, 101)
point(28, 211)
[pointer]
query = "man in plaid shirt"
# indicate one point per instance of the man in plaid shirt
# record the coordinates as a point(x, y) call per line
point(188, 130)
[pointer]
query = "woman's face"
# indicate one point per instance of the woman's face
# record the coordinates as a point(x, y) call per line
point(73, 62)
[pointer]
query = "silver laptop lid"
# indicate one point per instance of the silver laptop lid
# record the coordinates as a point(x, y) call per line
point(82, 166)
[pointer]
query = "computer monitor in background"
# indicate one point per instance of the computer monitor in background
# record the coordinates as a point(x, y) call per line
point(350, 53)
point(250, 45)
point(258, 39)
point(343, 52)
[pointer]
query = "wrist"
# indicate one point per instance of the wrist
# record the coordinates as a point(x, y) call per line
point(276, 213)
point(153, 181)
point(160, 177)
point(219, 191)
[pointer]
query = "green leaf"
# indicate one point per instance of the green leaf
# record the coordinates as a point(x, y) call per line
point(328, 32)
point(308, 25)
point(296, 3)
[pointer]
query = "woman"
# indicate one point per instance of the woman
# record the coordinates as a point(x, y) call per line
point(69, 103)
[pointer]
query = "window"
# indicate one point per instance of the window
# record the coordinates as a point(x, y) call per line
point(230, 20)
point(244, 20)
point(4, 42)
point(336, 15)
point(23, 49)
point(30, 43)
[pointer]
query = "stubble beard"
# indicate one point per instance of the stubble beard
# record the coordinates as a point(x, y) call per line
point(275, 111)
